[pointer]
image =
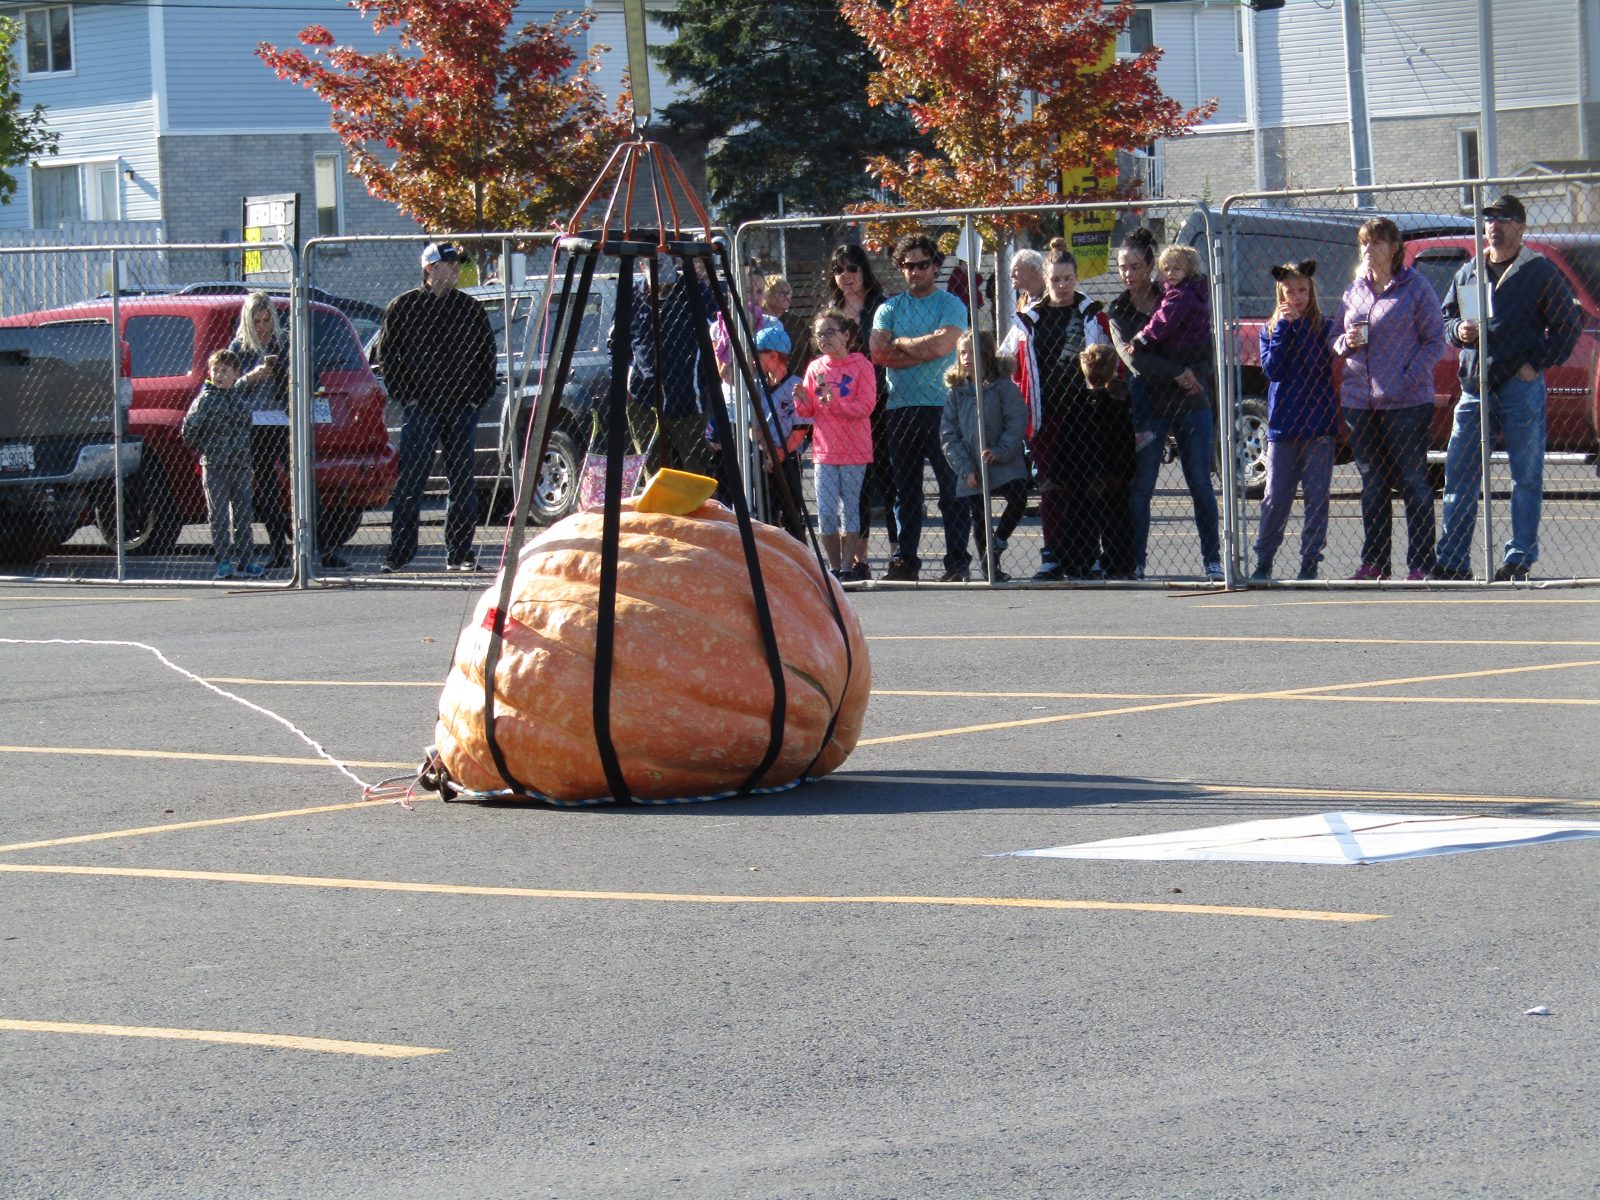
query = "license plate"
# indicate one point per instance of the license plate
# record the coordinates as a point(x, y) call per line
point(321, 411)
point(16, 457)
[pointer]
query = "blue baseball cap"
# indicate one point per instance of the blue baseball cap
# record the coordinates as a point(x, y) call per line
point(774, 337)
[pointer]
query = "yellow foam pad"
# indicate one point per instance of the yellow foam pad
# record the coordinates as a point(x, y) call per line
point(676, 493)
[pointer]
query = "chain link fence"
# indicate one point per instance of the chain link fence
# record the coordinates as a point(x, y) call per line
point(1139, 481)
point(1090, 484)
point(106, 470)
point(1390, 478)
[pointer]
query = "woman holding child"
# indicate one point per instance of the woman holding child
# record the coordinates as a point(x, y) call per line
point(1167, 394)
point(1049, 338)
point(1393, 335)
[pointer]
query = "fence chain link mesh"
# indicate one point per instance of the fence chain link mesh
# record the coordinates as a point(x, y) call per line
point(98, 479)
point(1403, 486)
point(1150, 484)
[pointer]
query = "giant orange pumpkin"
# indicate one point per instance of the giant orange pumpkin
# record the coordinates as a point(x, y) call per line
point(691, 691)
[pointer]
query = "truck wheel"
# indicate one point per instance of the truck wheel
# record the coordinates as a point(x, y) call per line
point(556, 492)
point(1251, 469)
point(336, 526)
point(149, 516)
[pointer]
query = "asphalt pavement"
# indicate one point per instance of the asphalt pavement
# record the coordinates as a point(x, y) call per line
point(839, 992)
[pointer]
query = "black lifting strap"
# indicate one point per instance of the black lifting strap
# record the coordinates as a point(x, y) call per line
point(795, 505)
point(551, 387)
point(616, 445)
point(711, 388)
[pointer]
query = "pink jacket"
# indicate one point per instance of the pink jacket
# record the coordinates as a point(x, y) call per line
point(842, 428)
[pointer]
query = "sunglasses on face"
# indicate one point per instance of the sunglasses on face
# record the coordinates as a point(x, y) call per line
point(1496, 219)
point(920, 265)
point(828, 333)
point(846, 268)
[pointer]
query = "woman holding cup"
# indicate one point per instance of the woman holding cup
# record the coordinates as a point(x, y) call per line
point(1393, 336)
point(263, 351)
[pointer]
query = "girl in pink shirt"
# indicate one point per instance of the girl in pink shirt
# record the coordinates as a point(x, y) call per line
point(837, 397)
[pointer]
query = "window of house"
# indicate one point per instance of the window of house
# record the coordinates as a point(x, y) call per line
point(1467, 154)
point(328, 195)
point(57, 196)
point(47, 34)
point(75, 192)
point(1138, 36)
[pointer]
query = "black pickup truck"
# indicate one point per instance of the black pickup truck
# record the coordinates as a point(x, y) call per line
point(59, 411)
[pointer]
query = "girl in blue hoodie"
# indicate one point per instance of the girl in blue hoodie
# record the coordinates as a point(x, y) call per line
point(1297, 355)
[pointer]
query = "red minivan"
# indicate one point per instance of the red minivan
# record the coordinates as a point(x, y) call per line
point(169, 339)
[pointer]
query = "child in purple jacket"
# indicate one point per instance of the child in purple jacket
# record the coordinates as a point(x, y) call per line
point(1180, 327)
point(1297, 355)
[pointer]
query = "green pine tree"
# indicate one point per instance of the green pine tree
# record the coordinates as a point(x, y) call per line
point(779, 92)
point(23, 135)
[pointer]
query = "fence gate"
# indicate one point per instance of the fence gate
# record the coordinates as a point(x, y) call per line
point(1410, 463)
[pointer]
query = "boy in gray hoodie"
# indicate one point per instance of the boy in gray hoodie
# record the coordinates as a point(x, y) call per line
point(217, 425)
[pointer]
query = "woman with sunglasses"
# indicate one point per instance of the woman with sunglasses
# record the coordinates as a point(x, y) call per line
point(854, 290)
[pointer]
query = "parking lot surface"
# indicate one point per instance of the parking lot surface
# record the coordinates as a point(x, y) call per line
point(225, 974)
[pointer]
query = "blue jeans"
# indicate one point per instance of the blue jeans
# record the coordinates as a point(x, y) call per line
point(1516, 411)
point(1391, 449)
point(913, 440)
point(454, 431)
point(1194, 429)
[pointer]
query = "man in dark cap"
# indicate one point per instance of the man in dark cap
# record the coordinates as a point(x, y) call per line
point(1532, 324)
point(438, 359)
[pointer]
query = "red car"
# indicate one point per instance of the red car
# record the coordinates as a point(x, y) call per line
point(169, 339)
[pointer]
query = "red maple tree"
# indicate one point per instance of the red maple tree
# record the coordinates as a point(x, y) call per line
point(465, 123)
point(1015, 94)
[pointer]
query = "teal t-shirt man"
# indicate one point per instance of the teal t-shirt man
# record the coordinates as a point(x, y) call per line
point(911, 316)
point(914, 336)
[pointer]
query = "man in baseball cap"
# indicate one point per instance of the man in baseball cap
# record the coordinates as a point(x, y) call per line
point(1532, 324)
point(438, 357)
point(443, 252)
point(1508, 208)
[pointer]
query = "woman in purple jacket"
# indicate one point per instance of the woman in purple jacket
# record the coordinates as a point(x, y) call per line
point(1393, 335)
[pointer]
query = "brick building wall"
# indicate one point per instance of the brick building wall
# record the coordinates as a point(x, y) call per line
point(219, 171)
point(1403, 149)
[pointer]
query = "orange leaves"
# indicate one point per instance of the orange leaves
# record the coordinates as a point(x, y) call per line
point(493, 127)
point(1014, 93)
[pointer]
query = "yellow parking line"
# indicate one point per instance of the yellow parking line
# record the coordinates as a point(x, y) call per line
point(271, 760)
point(174, 826)
point(1366, 601)
point(278, 1041)
point(1288, 694)
point(86, 598)
point(1252, 639)
point(351, 683)
point(914, 693)
point(450, 889)
point(1208, 789)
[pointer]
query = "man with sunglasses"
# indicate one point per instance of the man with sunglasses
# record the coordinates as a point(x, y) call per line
point(1532, 324)
point(914, 336)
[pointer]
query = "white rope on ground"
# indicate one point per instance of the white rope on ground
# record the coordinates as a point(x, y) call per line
point(377, 790)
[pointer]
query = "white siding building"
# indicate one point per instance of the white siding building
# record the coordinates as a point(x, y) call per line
point(1280, 79)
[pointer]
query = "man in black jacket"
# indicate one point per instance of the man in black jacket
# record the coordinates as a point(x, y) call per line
point(438, 359)
point(1533, 323)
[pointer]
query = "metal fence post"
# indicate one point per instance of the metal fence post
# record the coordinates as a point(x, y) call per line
point(1485, 424)
point(302, 458)
point(117, 418)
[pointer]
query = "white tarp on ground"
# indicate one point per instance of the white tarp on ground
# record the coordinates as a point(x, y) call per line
point(1339, 838)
